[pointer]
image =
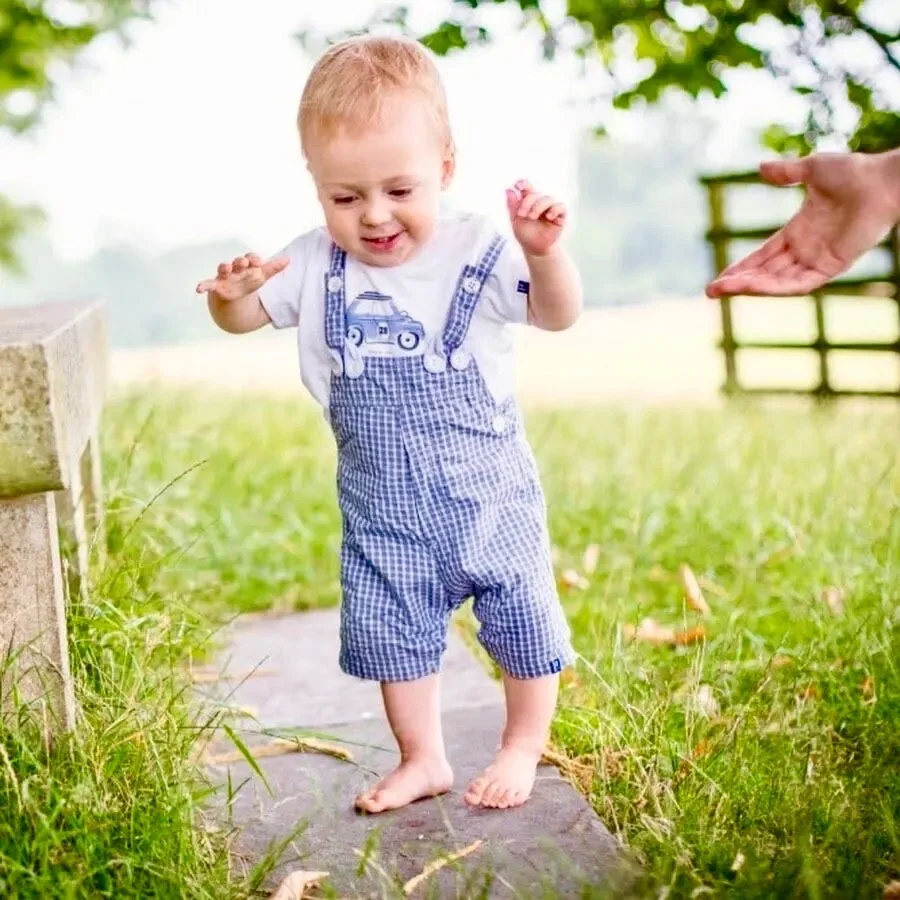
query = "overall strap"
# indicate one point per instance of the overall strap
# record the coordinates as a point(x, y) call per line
point(335, 299)
point(468, 291)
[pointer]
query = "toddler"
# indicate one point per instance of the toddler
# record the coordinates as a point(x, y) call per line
point(403, 315)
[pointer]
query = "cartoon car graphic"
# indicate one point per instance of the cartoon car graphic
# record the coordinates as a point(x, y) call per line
point(374, 318)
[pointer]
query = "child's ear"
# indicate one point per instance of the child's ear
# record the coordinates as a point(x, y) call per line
point(448, 168)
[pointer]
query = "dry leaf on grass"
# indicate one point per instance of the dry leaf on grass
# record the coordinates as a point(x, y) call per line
point(701, 749)
point(650, 631)
point(293, 887)
point(692, 592)
point(738, 863)
point(833, 598)
point(554, 758)
point(779, 662)
point(810, 692)
point(590, 559)
point(891, 891)
point(704, 701)
point(572, 579)
point(437, 865)
point(279, 747)
point(579, 770)
point(868, 690)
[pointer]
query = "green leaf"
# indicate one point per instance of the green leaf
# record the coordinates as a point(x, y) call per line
point(244, 750)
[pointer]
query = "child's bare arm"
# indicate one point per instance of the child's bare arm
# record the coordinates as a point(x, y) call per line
point(232, 296)
point(555, 295)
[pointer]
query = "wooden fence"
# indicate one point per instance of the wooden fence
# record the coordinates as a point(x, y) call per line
point(884, 285)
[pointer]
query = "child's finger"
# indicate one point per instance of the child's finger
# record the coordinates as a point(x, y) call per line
point(224, 270)
point(529, 201)
point(540, 206)
point(274, 266)
point(254, 260)
point(556, 214)
point(512, 201)
point(204, 287)
point(524, 185)
point(239, 263)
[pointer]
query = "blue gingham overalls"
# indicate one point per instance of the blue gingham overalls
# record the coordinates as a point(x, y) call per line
point(440, 501)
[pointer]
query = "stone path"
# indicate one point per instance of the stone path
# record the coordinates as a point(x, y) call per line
point(554, 846)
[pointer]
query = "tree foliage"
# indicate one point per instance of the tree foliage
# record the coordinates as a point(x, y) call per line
point(38, 39)
point(831, 54)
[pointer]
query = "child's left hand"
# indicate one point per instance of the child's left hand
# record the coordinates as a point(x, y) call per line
point(537, 219)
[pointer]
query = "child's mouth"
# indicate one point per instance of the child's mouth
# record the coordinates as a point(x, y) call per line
point(383, 244)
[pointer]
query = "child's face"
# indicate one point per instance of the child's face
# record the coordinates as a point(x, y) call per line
point(380, 189)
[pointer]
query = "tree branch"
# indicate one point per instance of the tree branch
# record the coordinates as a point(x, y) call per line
point(883, 40)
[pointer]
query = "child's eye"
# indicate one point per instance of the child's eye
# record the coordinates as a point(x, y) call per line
point(342, 201)
point(400, 193)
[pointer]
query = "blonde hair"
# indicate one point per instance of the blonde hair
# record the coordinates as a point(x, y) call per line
point(350, 81)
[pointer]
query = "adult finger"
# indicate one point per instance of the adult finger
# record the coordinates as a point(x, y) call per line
point(771, 248)
point(785, 172)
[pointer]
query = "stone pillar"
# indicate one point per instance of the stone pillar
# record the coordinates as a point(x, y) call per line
point(35, 658)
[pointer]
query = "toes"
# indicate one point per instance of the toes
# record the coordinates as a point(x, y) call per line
point(492, 794)
point(475, 793)
point(369, 801)
point(504, 801)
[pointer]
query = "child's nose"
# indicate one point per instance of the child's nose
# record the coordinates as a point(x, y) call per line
point(376, 212)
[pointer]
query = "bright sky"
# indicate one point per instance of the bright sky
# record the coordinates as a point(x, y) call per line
point(188, 134)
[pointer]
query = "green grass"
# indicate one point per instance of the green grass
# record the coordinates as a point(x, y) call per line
point(797, 772)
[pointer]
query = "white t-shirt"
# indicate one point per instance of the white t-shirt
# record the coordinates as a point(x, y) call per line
point(390, 305)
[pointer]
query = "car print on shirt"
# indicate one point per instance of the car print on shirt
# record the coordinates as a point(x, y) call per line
point(373, 318)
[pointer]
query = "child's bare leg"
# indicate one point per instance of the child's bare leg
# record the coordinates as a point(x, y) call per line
point(508, 780)
point(414, 712)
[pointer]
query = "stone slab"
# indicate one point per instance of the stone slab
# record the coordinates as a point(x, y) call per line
point(552, 846)
point(53, 364)
point(299, 681)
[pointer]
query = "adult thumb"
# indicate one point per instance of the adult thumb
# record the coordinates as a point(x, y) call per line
point(784, 172)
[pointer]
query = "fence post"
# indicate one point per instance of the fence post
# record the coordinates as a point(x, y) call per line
point(718, 226)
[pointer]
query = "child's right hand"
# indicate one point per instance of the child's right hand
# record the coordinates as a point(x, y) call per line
point(243, 276)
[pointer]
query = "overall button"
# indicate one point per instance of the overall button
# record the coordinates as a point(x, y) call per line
point(434, 363)
point(460, 359)
point(334, 283)
point(471, 284)
point(499, 423)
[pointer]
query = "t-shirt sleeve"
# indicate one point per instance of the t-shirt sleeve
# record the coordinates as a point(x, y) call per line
point(507, 287)
point(281, 295)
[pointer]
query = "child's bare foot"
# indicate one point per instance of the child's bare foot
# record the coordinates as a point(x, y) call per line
point(411, 780)
point(507, 781)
